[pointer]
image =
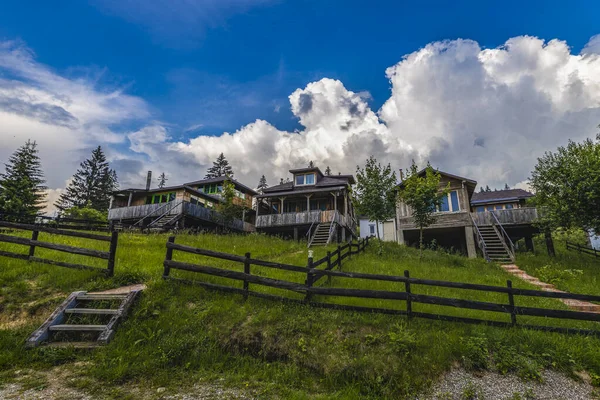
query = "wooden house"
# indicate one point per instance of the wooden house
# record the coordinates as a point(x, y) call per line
point(311, 205)
point(493, 229)
point(191, 205)
point(506, 199)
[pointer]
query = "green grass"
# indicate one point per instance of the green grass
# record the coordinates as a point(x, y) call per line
point(180, 333)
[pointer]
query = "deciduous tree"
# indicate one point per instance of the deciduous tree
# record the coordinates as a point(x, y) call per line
point(421, 192)
point(375, 192)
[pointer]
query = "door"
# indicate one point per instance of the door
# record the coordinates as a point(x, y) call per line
point(388, 231)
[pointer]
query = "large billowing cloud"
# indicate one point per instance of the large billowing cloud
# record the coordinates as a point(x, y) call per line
point(482, 113)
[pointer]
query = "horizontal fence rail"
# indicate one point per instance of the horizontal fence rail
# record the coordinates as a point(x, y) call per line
point(34, 243)
point(582, 249)
point(57, 222)
point(335, 259)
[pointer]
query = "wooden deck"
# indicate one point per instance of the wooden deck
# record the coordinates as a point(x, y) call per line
point(152, 211)
point(515, 216)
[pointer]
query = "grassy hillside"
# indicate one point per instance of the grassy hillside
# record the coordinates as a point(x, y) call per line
point(181, 333)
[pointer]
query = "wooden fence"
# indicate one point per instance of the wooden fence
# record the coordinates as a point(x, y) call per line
point(34, 242)
point(313, 274)
point(582, 249)
point(57, 222)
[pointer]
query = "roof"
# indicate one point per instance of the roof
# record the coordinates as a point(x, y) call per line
point(168, 189)
point(460, 178)
point(221, 179)
point(499, 196)
point(326, 182)
point(308, 169)
point(302, 190)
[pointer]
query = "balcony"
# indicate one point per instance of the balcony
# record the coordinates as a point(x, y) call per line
point(150, 212)
point(305, 218)
point(514, 216)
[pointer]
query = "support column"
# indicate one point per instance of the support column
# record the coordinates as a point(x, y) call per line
point(344, 235)
point(470, 241)
point(281, 210)
point(401, 236)
point(130, 198)
point(112, 198)
point(308, 202)
point(345, 204)
point(296, 234)
point(549, 243)
point(529, 243)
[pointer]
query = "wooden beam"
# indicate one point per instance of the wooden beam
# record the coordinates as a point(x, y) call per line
point(129, 200)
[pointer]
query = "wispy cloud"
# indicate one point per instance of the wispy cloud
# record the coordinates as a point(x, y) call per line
point(178, 23)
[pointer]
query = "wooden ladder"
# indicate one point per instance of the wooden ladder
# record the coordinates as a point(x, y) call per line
point(77, 304)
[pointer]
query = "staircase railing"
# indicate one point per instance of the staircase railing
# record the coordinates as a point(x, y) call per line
point(152, 212)
point(481, 242)
point(331, 226)
point(174, 204)
point(506, 239)
point(308, 236)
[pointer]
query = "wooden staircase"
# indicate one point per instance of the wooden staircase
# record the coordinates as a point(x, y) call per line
point(83, 320)
point(321, 237)
point(165, 222)
point(496, 248)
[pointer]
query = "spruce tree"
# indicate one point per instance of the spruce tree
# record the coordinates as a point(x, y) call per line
point(311, 164)
point(220, 167)
point(506, 187)
point(328, 171)
point(481, 189)
point(23, 192)
point(91, 185)
point(487, 188)
point(162, 180)
point(262, 184)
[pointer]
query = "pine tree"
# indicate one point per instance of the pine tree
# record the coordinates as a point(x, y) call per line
point(220, 167)
point(311, 164)
point(328, 171)
point(22, 185)
point(162, 180)
point(487, 188)
point(91, 185)
point(281, 181)
point(481, 189)
point(262, 184)
point(506, 187)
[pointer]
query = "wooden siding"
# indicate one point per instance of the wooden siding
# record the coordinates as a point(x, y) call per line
point(299, 218)
point(444, 220)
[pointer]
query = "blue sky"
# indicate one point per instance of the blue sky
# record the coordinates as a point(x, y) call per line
point(154, 80)
point(190, 68)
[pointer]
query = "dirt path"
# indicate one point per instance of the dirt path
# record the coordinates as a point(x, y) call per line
point(574, 304)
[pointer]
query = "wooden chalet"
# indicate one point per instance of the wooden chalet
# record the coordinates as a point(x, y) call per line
point(191, 205)
point(493, 229)
point(312, 205)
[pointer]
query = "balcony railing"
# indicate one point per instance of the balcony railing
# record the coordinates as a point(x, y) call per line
point(514, 216)
point(304, 218)
point(187, 208)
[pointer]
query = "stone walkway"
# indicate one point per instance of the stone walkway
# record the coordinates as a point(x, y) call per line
point(574, 304)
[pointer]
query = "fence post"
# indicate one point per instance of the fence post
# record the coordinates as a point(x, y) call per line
point(309, 280)
point(328, 266)
point(408, 298)
point(34, 236)
point(112, 252)
point(350, 248)
point(246, 271)
point(339, 250)
point(511, 301)
point(168, 257)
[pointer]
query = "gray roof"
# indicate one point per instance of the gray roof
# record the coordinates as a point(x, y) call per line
point(327, 181)
point(168, 189)
point(302, 190)
point(499, 196)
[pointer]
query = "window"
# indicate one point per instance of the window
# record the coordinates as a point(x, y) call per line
point(499, 207)
point(509, 206)
point(372, 229)
point(305, 179)
point(490, 208)
point(480, 209)
point(450, 202)
point(160, 198)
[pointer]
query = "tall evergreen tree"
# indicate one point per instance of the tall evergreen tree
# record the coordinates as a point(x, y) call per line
point(311, 164)
point(328, 171)
point(506, 187)
point(220, 167)
point(162, 180)
point(262, 184)
point(22, 190)
point(91, 185)
point(481, 189)
point(487, 188)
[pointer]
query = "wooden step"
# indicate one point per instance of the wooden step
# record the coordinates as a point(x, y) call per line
point(99, 297)
point(100, 311)
point(77, 328)
point(75, 345)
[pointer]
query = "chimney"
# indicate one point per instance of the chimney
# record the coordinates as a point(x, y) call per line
point(149, 180)
point(401, 175)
